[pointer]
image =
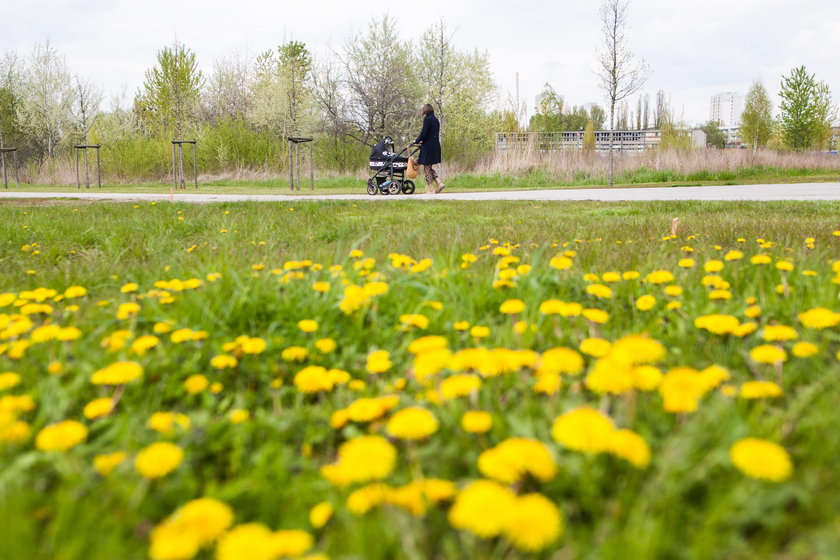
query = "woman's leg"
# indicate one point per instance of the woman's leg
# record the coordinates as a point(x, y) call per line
point(432, 179)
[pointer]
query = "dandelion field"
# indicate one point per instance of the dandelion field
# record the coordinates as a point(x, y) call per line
point(419, 380)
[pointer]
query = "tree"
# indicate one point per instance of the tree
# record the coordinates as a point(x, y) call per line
point(229, 91)
point(757, 118)
point(807, 110)
point(170, 95)
point(661, 112)
point(295, 66)
point(46, 97)
point(548, 116)
point(86, 107)
point(618, 74)
point(9, 99)
point(589, 137)
point(383, 92)
point(715, 137)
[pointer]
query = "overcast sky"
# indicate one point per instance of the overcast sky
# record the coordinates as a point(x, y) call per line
point(695, 48)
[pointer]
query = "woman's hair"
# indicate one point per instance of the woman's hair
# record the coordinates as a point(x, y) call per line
point(428, 109)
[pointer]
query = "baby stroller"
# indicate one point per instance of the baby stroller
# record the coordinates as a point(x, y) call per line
point(389, 169)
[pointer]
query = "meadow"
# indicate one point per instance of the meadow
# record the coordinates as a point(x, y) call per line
point(435, 380)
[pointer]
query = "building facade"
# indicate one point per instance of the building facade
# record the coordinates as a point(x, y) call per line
point(726, 109)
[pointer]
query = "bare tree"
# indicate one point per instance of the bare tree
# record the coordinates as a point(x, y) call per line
point(331, 102)
point(229, 87)
point(86, 106)
point(383, 91)
point(619, 75)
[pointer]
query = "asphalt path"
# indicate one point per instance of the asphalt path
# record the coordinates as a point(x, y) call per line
point(795, 191)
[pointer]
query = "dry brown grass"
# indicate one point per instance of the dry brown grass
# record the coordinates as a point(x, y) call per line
point(576, 165)
point(571, 166)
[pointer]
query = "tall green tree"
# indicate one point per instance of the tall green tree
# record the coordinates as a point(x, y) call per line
point(806, 110)
point(589, 137)
point(757, 118)
point(170, 95)
point(715, 137)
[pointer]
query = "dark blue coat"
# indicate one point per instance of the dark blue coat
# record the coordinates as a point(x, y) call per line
point(430, 136)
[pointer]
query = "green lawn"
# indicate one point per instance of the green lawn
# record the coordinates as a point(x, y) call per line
point(249, 269)
point(471, 182)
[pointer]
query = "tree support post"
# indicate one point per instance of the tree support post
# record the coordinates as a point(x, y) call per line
point(84, 149)
point(3, 152)
point(178, 174)
point(294, 168)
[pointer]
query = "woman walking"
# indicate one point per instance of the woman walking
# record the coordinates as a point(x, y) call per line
point(429, 141)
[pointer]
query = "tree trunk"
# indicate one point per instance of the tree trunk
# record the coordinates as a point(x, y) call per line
point(612, 140)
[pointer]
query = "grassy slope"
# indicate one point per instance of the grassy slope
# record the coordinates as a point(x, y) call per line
point(689, 503)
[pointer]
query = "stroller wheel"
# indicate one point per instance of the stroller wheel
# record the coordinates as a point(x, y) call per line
point(371, 187)
point(408, 187)
point(395, 187)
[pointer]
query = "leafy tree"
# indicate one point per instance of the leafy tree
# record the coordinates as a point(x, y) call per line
point(548, 116)
point(589, 137)
point(169, 98)
point(295, 66)
point(715, 137)
point(460, 87)
point(46, 97)
point(806, 110)
point(674, 136)
point(757, 118)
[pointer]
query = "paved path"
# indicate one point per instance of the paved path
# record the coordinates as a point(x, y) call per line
point(798, 191)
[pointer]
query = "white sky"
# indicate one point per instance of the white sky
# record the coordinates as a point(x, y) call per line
point(695, 48)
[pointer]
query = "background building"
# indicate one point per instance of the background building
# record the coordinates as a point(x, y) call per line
point(726, 109)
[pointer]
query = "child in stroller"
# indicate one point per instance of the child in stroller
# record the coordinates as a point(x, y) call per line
point(389, 169)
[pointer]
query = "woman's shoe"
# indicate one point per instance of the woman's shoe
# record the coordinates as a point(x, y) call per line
point(440, 188)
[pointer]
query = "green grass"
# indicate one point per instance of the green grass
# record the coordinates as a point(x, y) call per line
point(538, 179)
point(690, 502)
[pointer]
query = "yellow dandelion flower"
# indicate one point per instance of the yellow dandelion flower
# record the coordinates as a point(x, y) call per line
point(98, 408)
point(819, 318)
point(779, 333)
point(630, 446)
point(158, 459)
point(476, 421)
point(196, 383)
point(761, 459)
point(805, 349)
point(61, 436)
point(512, 307)
point(118, 373)
point(105, 463)
point(378, 362)
point(534, 523)
point(768, 354)
point(583, 429)
point(760, 390)
point(514, 458)
point(483, 508)
point(412, 423)
point(459, 385)
point(250, 540)
point(595, 347)
point(320, 514)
